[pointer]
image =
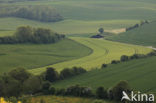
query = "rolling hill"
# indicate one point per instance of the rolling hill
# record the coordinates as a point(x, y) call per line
point(139, 73)
point(39, 55)
point(144, 35)
point(103, 52)
point(86, 16)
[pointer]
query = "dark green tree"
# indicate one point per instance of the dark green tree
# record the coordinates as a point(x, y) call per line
point(51, 75)
point(101, 93)
point(119, 88)
point(101, 30)
point(20, 74)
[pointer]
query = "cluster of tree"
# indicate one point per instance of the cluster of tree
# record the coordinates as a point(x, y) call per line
point(113, 93)
point(38, 13)
point(18, 82)
point(51, 75)
point(137, 25)
point(28, 34)
point(14, 1)
point(125, 58)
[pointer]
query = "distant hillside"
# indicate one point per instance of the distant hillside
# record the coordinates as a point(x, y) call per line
point(139, 73)
point(38, 13)
point(144, 35)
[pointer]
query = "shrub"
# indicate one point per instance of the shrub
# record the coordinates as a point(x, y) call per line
point(61, 92)
point(32, 85)
point(51, 75)
point(137, 56)
point(66, 73)
point(101, 93)
point(124, 58)
point(104, 66)
point(45, 87)
point(20, 74)
point(115, 62)
point(79, 91)
point(152, 53)
point(52, 90)
point(117, 90)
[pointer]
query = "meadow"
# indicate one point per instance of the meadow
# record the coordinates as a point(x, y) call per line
point(139, 73)
point(144, 35)
point(86, 16)
point(39, 55)
point(103, 52)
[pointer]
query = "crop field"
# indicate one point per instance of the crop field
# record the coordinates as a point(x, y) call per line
point(144, 35)
point(67, 26)
point(139, 73)
point(55, 99)
point(32, 56)
point(103, 52)
point(86, 16)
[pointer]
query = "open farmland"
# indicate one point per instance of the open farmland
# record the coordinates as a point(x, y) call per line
point(144, 35)
point(33, 55)
point(139, 73)
point(86, 16)
point(103, 52)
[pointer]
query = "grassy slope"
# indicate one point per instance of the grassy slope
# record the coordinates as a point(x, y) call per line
point(66, 26)
point(33, 56)
point(56, 99)
point(103, 52)
point(140, 74)
point(86, 16)
point(144, 35)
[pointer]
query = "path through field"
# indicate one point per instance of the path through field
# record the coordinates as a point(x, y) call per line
point(103, 52)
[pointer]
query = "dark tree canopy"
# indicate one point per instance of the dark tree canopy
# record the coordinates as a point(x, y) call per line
point(101, 30)
point(38, 13)
point(26, 34)
point(51, 75)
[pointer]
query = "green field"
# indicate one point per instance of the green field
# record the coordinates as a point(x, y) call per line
point(56, 99)
point(67, 26)
point(103, 52)
point(139, 73)
point(86, 16)
point(33, 55)
point(144, 35)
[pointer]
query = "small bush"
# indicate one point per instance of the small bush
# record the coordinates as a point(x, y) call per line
point(124, 58)
point(115, 62)
point(61, 92)
point(52, 90)
point(101, 93)
point(79, 91)
point(116, 91)
point(104, 66)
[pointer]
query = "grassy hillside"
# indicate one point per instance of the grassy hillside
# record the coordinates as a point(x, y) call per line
point(86, 16)
point(144, 35)
point(103, 52)
point(101, 9)
point(67, 26)
point(55, 99)
point(139, 73)
point(33, 55)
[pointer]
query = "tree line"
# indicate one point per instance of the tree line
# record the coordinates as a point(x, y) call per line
point(137, 25)
point(125, 58)
point(27, 34)
point(19, 82)
point(38, 13)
